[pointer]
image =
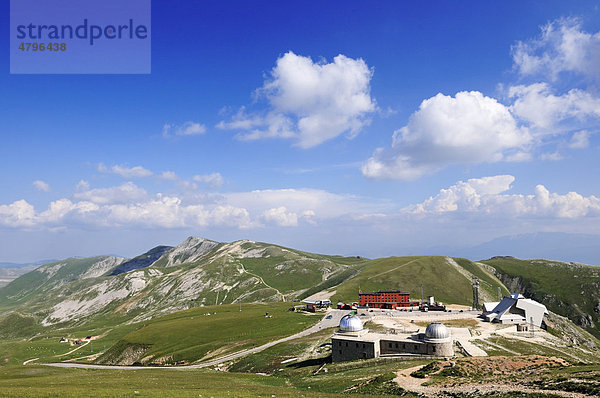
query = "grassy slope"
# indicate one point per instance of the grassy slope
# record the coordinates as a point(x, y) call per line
point(291, 270)
point(283, 270)
point(566, 289)
point(36, 284)
point(408, 273)
point(191, 335)
point(186, 335)
point(37, 381)
point(43, 343)
point(488, 282)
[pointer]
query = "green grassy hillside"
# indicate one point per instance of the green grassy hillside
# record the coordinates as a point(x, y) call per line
point(571, 290)
point(447, 280)
point(196, 273)
point(207, 332)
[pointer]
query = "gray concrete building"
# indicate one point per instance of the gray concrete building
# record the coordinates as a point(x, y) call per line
point(351, 341)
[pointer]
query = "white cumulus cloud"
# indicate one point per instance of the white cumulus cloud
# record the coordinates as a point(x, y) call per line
point(41, 186)
point(537, 105)
point(309, 101)
point(466, 204)
point(124, 193)
point(280, 216)
point(466, 128)
point(312, 203)
point(563, 46)
point(18, 214)
point(487, 196)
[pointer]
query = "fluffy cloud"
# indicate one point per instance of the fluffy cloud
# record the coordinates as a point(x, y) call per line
point(21, 214)
point(17, 214)
point(311, 203)
point(127, 192)
point(82, 185)
point(467, 128)
point(158, 212)
point(473, 128)
point(486, 196)
point(467, 203)
point(41, 186)
point(562, 47)
point(213, 180)
point(127, 205)
point(310, 102)
point(281, 217)
point(126, 172)
point(541, 109)
point(186, 129)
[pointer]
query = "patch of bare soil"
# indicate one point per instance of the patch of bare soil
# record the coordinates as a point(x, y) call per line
point(484, 375)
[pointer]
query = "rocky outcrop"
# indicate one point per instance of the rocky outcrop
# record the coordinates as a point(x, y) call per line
point(124, 354)
point(576, 336)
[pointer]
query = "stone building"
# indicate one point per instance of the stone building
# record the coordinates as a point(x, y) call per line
point(351, 341)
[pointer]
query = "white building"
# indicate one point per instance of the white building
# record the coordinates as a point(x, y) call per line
point(515, 309)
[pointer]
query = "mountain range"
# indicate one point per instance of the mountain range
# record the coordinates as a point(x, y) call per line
point(198, 272)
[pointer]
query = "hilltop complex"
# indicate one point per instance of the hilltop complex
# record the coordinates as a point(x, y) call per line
point(351, 341)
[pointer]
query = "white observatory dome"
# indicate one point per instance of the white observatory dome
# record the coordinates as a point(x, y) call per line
point(437, 331)
point(350, 323)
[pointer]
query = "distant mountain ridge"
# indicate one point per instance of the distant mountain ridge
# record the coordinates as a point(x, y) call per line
point(21, 265)
point(11, 271)
point(567, 247)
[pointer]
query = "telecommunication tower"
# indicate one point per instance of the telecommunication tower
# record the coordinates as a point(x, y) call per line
point(475, 293)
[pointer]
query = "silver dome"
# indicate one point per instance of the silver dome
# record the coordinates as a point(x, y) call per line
point(437, 331)
point(350, 323)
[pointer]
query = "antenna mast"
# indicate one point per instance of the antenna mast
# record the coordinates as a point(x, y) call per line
point(475, 293)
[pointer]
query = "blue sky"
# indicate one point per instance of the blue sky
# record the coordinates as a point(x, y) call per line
point(337, 127)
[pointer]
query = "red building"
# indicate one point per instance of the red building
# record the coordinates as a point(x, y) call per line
point(385, 299)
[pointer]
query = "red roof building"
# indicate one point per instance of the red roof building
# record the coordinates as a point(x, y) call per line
point(385, 299)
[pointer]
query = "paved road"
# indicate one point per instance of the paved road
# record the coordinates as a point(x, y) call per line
point(324, 323)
